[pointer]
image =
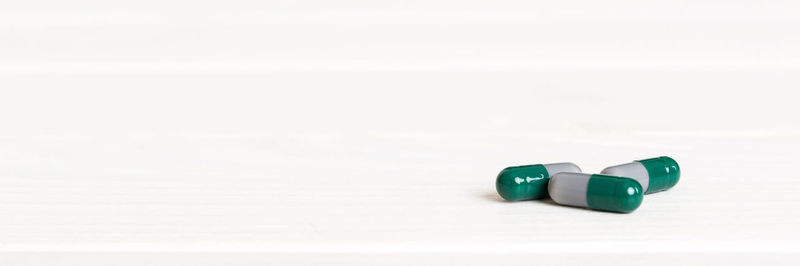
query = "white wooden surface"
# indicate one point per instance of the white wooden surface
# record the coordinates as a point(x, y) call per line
point(364, 132)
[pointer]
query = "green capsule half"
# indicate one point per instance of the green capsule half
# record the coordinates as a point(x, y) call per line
point(655, 174)
point(599, 192)
point(529, 182)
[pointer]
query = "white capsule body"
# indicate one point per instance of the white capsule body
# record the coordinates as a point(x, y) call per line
point(569, 188)
point(635, 170)
point(654, 174)
point(555, 168)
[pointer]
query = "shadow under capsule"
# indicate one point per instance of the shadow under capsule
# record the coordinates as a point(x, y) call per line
point(493, 196)
point(545, 201)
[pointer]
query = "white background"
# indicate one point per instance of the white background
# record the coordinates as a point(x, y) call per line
point(364, 132)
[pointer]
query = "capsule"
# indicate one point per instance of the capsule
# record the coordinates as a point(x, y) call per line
point(655, 174)
point(529, 182)
point(599, 192)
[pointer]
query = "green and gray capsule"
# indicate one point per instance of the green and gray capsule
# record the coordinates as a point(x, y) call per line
point(655, 174)
point(529, 181)
point(599, 192)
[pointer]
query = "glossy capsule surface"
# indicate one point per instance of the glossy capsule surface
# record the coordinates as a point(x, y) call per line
point(599, 192)
point(654, 174)
point(529, 182)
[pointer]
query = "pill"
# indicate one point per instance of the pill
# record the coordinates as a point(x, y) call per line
point(599, 192)
point(654, 174)
point(529, 181)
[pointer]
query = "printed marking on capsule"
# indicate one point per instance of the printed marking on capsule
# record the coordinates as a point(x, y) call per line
point(530, 179)
point(512, 186)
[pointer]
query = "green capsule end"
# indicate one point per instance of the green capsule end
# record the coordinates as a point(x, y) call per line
point(664, 173)
point(525, 182)
point(615, 194)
